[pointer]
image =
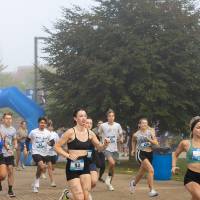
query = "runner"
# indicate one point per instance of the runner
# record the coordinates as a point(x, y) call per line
point(22, 134)
point(40, 138)
point(10, 144)
point(113, 131)
point(51, 153)
point(3, 170)
point(91, 155)
point(99, 156)
point(142, 142)
point(192, 149)
point(79, 141)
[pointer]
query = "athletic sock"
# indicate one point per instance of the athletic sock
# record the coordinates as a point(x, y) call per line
point(10, 188)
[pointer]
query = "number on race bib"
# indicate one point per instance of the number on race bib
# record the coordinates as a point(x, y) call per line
point(77, 165)
point(196, 155)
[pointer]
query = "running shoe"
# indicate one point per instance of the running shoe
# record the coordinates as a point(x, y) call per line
point(23, 166)
point(34, 189)
point(90, 197)
point(132, 186)
point(53, 184)
point(64, 195)
point(43, 176)
point(108, 180)
point(11, 194)
point(153, 193)
point(110, 188)
point(18, 169)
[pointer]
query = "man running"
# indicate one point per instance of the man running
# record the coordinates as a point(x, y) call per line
point(40, 138)
point(113, 131)
point(8, 132)
point(53, 156)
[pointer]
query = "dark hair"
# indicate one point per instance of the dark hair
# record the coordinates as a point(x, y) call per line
point(76, 112)
point(23, 121)
point(42, 119)
point(7, 113)
point(110, 111)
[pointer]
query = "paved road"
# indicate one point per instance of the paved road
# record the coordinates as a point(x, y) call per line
point(169, 190)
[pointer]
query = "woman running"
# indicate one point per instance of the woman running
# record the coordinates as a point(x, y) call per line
point(92, 166)
point(192, 149)
point(79, 141)
point(142, 142)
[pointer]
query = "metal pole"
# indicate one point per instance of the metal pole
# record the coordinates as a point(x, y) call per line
point(35, 67)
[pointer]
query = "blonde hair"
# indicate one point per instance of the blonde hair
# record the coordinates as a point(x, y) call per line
point(193, 123)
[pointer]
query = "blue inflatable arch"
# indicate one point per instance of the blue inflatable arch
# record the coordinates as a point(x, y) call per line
point(14, 99)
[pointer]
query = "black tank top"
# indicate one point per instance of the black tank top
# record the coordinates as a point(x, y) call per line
point(79, 145)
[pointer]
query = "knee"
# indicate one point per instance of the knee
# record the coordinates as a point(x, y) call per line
point(3, 176)
point(112, 164)
point(42, 167)
point(151, 171)
point(93, 183)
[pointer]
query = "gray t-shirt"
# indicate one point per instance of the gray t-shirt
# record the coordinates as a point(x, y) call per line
point(112, 132)
point(9, 134)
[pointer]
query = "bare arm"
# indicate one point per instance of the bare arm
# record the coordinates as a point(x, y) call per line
point(15, 142)
point(97, 143)
point(133, 144)
point(64, 139)
point(153, 138)
point(181, 148)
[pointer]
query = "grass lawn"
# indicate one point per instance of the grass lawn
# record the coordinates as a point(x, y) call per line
point(131, 167)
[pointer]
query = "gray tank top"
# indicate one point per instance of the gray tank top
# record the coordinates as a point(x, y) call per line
point(142, 141)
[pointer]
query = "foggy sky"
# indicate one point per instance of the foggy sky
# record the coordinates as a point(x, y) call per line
point(21, 20)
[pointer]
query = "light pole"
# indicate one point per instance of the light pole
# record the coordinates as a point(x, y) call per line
point(36, 64)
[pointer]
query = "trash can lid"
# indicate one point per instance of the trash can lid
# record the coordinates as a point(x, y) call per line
point(162, 150)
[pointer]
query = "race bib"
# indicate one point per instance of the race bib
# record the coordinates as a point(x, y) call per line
point(196, 154)
point(77, 165)
point(112, 139)
point(89, 154)
point(146, 144)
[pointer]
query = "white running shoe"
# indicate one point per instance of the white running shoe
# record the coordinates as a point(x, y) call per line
point(43, 176)
point(53, 184)
point(132, 186)
point(34, 189)
point(23, 166)
point(110, 188)
point(37, 183)
point(153, 193)
point(108, 180)
point(90, 197)
point(64, 195)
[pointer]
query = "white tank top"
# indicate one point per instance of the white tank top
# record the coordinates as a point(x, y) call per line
point(142, 141)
